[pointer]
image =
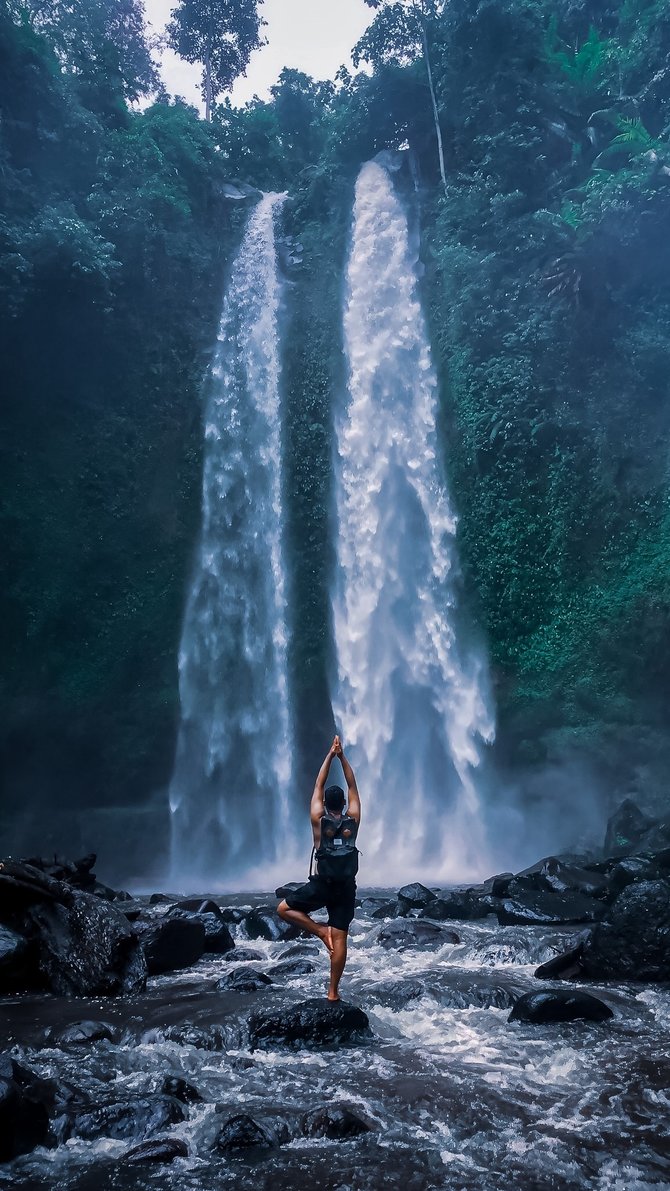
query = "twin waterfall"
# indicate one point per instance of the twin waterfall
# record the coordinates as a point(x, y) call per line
point(411, 703)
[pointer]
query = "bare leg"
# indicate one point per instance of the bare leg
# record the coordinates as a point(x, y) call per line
point(338, 959)
point(320, 929)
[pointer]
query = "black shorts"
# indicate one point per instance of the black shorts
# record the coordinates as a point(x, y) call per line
point(339, 898)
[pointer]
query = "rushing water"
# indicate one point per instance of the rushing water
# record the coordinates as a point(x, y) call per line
point(457, 1097)
point(228, 795)
point(411, 701)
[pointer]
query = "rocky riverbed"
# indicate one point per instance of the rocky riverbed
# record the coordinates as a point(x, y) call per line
point(461, 1058)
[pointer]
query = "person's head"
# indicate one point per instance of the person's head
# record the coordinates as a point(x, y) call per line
point(334, 799)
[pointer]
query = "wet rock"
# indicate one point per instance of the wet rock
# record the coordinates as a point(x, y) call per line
point(174, 1085)
point(625, 829)
point(202, 1037)
point(299, 966)
point(303, 948)
point(335, 1121)
point(457, 904)
point(552, 875)
point(629, 870)
point(265, 923)
point(657, 838)
point(104, 891)
point(157, 899)
point(415, 932)
point(499, 884)
point(243, 955)
point(17, 961)
point(633, 941)
point(218, 939)
point(24, 1119)
point(158, 1150)
point(549, 909)
point(569, 965)
point(315, 1022)
point(243, 979)
point(200, 905)
point(82, 1032)
point(173, 943)
point(387, 910)
point(87, 948)
point(415, 896)
point(396, 994)
point(233, 915)
point(132, 1120)
point(552, 1005)
point(242, 1132)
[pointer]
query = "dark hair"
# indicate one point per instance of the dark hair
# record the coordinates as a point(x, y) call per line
point(334, 798)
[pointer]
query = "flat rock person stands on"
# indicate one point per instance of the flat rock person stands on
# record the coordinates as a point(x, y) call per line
point(334, 883)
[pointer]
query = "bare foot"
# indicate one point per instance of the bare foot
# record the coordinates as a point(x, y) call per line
point(326, 936)
point(329, 998)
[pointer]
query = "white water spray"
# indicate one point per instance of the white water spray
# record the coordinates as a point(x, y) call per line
point(228, 795)
point(411, 701)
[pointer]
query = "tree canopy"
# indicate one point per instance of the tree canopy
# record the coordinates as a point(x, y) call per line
point(220, 35)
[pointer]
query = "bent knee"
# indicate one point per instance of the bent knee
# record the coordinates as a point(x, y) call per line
point(282, 908)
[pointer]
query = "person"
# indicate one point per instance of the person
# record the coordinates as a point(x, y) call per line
point(334, 884)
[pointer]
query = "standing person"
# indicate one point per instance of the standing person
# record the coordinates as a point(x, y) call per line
point(334, 884)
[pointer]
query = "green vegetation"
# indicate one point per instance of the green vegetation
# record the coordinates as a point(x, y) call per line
point(547, 287)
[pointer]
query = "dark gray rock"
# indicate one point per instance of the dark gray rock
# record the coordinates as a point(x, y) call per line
point(173, 943)
point(158, 1150)
point(499, 884)
point(396, 994)
point(633, 941)
point(656, 839)
point(174, 1085)
point(211, 1038)
point(303, 948)
point(87, 948)
point(552, 875)
point(242, 1132)
point(416, 895)
point(458, 904)
point(24, 1118)
point(553, 1005)
point(625, 829)
point(387, 910)
point(200, 905)
point(299, 966)
point(158, 899)
point(550, 909)
point(132, 1120)
point(82, 1033)
point(17, 961)
point(334, 1121)
point(569, 965)
point(218, 939)
point(315, 1022)
point(265, 923)
point(415, 932)
point(243, 979)
point(243, 955)
point(630, 869)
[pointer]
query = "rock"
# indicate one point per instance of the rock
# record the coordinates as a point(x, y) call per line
point(17, 961)
point(457, 903)
point(303, 948)
point(157, 899)
point(134, 1120)
point(396, 994)
point(334, 1121)
point(300, 966)
point(87, 948)
point(387, 910)
point(104, 891)
point(81, 1032)
point(315, 1022)
point(415, 896)
point(200, 905)
point(657, 838)
point(173, 943)
point(202, 1037)
point(625, 829)
point(243, 979)
point(233, 915)
point(633, 941)
point(159, 1149)
point(552, 875)
point(549, 909)
point(550, 1005)
point(500, 884)
point(242, 1132)
point(218, 939)
point(173, 1085)
point(265, 923)
point(569, 965)
point(631, 869)
point(24, 1119)
point(415, 932)
point(243, 955)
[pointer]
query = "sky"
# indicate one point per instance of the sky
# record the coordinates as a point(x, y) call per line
point(315, 36)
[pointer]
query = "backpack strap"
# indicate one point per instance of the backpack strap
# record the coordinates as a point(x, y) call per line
point(311, 862)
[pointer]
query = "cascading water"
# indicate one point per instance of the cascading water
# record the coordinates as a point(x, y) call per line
point(228, 795)
point(411, 701)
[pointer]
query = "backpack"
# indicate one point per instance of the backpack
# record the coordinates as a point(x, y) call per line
point(337, 855)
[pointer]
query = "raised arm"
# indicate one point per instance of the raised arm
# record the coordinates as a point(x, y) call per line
point(316, 809)
point(353, 797)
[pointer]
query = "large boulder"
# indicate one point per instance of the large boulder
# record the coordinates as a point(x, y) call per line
point(415, 896)
point(218, 939)
point(312, 1023)
point(128, 1120)
point(528, 908)
point(550, 1005)
point(87, 948)
point(265, 923)
point(625, 829)
point(459, 904)
point(242, 1132)
point(173, 943)
point(630, 869)
point(17, 961)
point(414, 932)
point(24, 1118)
point(244, 979)
point(633, 941)
point(552, 875)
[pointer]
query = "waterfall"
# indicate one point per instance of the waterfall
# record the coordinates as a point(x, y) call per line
point(411, 698)
point(228, 794)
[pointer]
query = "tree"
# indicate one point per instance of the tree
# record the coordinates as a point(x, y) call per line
point(399, 34)
point(220, 34)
